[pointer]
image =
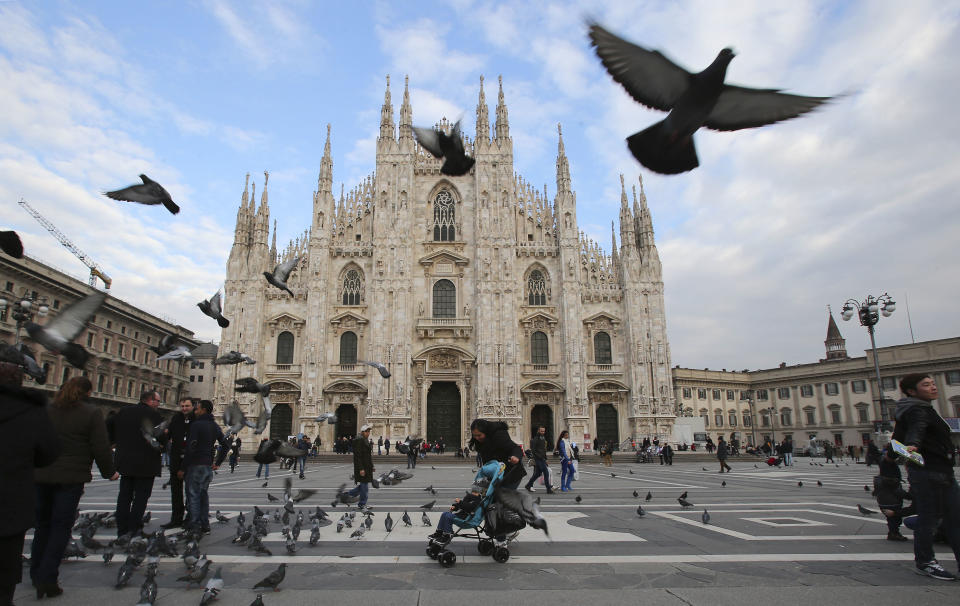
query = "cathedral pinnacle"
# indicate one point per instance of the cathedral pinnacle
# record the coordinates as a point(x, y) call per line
point(483, 116)
point(406, 112)
point(503, 122)
point(325, 179)
point(563, 166)
point(386, 114)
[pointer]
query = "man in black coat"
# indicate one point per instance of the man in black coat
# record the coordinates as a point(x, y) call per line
point(491, 440)
point(137, 462)
point(29, 441)
point(362, 465)
point(538, 447)
point(176, 445)
point(199, 465)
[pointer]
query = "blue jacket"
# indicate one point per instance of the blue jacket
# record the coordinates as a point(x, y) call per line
point(201, 437)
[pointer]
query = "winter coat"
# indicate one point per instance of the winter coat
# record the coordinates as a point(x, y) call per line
point(201, 437)
point(786, 447)
point(29, 441)
point(920, 425)
point(134, 456)
point(177, 443)
point(722, 451)
point(362, 460)
point(83, 440)
point(497, 446)
point(538, 446)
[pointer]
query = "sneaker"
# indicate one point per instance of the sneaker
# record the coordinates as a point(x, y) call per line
point(301, 476)
point(896, 536)
point(934, 570)
point(530, 489)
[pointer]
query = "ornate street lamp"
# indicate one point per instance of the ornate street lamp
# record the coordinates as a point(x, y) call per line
point(868, 310)
point(24, 308)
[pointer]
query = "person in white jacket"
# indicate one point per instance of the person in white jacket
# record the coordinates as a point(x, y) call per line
point(566, 460)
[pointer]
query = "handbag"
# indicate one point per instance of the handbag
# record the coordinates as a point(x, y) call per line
point(576, 469)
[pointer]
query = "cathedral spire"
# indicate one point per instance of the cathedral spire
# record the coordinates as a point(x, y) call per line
point(325, 180)
point(386, 114)
point(503, 122)
point(627, 237)
point(483, 116)
point(240, 230)
point(262, 224)
point(563, 166)
point(613, 247)
point(406, 112)
point(273, 243)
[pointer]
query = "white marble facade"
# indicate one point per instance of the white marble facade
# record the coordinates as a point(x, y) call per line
point(479, 293)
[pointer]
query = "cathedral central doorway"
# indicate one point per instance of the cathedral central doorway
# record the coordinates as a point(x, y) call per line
point(608, 429)
point(346, 421)
point(443, 414)
point(543, 415)
point(281, 422)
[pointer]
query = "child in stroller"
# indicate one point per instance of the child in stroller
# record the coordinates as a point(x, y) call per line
point(461, 508)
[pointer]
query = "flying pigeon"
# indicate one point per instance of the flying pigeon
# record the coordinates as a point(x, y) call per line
point(864, 511)
point(380, 367)
point(448, 147)
point(166, 344)
point(10, 243)
point(693, 100)
point(705, 517)
point(234, 357)
point(57, 334)
point(181, 352)
point(213, 588)
point(23, 356)
point(684, 503)
point(425, 519)
point(234, 419)
point(281, 273)
point(649, 496)
point(329, 417)
point(274, 578)
point(212, 307)
point(250, 385)
point(152, 434)
point(406, 519)
point(149, 193)
point(522, 503)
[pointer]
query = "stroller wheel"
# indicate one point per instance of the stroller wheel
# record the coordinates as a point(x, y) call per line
point(433, 551)
point(448, 559)
point(485, 547)
point(501, 554)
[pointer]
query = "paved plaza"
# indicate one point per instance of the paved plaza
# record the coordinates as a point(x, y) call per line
point(768, 540)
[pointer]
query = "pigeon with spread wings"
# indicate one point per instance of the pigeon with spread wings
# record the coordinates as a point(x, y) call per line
point(447, 147)
point(150, 192)
point(56, 335)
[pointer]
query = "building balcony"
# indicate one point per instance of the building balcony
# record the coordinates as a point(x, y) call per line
point(540, 370)
point(604, 370)
point(283, 370)
point(439, 328)
point(348, 370)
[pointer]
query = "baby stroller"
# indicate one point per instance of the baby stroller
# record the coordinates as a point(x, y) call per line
point(485, 524)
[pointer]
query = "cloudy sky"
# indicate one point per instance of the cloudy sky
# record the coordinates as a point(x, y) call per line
point(777, 223)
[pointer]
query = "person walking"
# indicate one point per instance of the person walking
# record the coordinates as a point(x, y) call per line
point(722, 453)
point(265, 467)
point(386, 446)
point(199, 464)
point(413, 452)
point(566, 460)
point(380, 446)
point(786, 449)
point(234, 455)
point(137, 461)
point(82, 433)
point(175, 446)
point(362, 466)
point(936, 494)
point(538, 447)
point(828, 453)
point(29, 441)
point(667, 452)
point(303, 444)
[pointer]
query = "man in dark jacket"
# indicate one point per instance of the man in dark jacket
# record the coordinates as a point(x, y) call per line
point(786, 449)
point(29, 441)
point(538, 447)
point(198, 464)
point(176, 445)
point(362, 465)
point(491, 440)
point(137, 461)
point(936, 494)
point(722, 453)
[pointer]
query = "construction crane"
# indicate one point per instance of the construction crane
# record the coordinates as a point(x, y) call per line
point(95, 270)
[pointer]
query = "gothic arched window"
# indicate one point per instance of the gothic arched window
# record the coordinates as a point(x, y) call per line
point(536, 288)
point(601, 349)
point(352, 293)
point(539, 352)
point(348, 348)
point(443, 218)
point(285, 348)
point(444, 299)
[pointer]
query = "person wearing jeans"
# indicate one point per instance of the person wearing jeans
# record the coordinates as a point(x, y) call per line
point(566, 460)
point(199, 464)
point(362, 466)
point(936, 494)
point(786, 449)
point(538, 447)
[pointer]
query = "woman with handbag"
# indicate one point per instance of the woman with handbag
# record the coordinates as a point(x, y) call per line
point(566, 460)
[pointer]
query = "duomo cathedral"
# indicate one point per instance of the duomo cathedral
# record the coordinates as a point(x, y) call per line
point(479, 293)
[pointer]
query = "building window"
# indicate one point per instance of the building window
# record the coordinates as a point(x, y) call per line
point(66, 375)
point(120, 349)
point(9, 286)
point(116, 386)
point(716, 394)
point(718, 418)
point(705, 416)
point(352, 288)
point(747, 421)
point(835, 415)
point(762, 395)
point(201, 365)
point(56, 303)
point(953, 377)
point(687, 392)
point(285, 348)
point(806, 391)
point(783, 393)
point(732, 418)
point(444, 299)
point(129, 389)
point(136, 334)
point(862, 416)
point(889, 382)
point(3, 314)
point(89, 339)
point(133, 356)
point(348, 348)
point(536, 288)
point(193, 365)
point(100, 380)
point(832, 389)
point(810, 416)
point(601, 348)
point(858, 386)
point(109, 324)
point(701, 394)
point(730, 395)
point(786, 417)
point(106, 345)
point(765, 418)
point(539, 351)
point(193, 378)
point(123, 330)
point(443, 218)
point(199, 378)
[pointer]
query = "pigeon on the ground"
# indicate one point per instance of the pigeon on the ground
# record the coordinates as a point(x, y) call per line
point(684, 495)
point(723, 484)
point(274, 579)
point(579, 499)
point(57, 334)
point(704, 468)
point(425, 519)
point(649, 496)
point(212, 308)
point(448, 147)
point(281, 273)
point(258, 601)
point(693, 100)
point(864, 511)
point(428, 488)
point(251, 385)
point(148, 591)
point(199, 572)
point(684, 503)
point(107, 556)
point(150, 193)
point(380, 368)
point(640, 511)
point(221, 518)
point(388, 523)
point(125, 573)
point(264, 485)
point(358, 533)
point(636, 494)
point(256, 544)
point(866, 488)
point(405, 518)
point(272, 498)
point(234, 357)
point(631, 471)
point(800, 483)
point(819, 483)
point(705, 517)
point(428, 506)
point(213, 588)
point(10, 243)
point(291, 546)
